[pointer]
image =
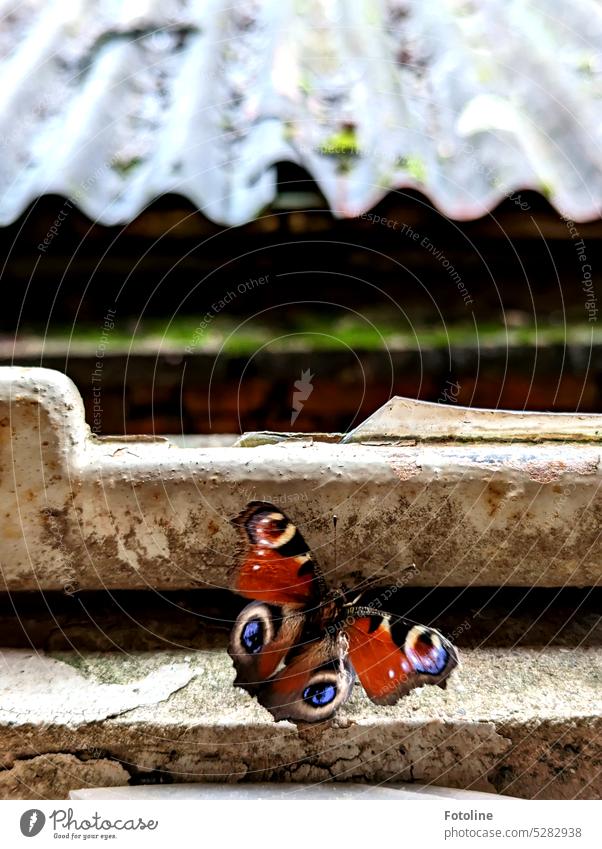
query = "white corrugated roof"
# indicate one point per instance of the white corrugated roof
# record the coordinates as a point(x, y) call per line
point(113, 103)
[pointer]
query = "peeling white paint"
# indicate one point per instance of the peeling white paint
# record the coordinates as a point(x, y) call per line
point(39, 690)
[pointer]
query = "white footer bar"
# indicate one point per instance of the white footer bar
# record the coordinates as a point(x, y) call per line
point(301, 823)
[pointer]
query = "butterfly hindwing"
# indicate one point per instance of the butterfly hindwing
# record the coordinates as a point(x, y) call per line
point(295, 673)
point(277, 567)
point(392, 656)
point(314, 681)
point(262, 636)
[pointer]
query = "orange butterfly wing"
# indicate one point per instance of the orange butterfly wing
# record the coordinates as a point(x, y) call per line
point(277, 567)
point(313, 684)
point(392, 656)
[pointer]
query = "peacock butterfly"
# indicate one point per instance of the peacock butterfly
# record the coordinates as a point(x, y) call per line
point(298, 646)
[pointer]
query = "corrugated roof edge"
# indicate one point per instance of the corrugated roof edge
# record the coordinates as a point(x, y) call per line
point(469, 103)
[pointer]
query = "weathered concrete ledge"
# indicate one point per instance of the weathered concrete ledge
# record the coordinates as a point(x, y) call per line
point(78, 512)
point(523, 722)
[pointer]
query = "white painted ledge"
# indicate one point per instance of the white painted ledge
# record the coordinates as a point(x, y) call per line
point(77, 512)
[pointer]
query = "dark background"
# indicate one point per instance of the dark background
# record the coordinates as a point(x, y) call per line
point(524, 342)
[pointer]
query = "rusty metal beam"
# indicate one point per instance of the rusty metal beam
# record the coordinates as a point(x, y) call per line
point(77, 512)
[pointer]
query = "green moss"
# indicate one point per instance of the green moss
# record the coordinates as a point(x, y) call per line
point(77, 661)
point(546, 189)
point(587, 64)
point(289, 131)
point(485, 73)
point(305, 331)
point(343, 143)
point(125, 166)
point(114, 667)
point(415, 166)
point(305, 84)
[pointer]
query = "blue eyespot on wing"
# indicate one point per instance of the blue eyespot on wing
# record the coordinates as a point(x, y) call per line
point(252, 636)
point(320, 694)
point(314, 682)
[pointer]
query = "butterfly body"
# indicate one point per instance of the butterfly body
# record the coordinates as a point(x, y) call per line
point(298, 646)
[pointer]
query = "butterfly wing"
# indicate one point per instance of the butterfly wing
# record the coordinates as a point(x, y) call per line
point(295, 673)
point(392, 656)
point(313, 683)
point(277, 566)
point(262, 636)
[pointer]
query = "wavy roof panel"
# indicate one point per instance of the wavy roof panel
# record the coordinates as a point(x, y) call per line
point(112, 103)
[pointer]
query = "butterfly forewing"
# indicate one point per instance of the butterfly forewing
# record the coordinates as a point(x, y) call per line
point(296, 671)
point(277, 567)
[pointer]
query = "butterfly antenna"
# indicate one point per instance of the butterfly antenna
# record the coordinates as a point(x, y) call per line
point(334, 523)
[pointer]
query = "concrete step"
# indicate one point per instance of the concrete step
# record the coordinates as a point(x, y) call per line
point(519, 721)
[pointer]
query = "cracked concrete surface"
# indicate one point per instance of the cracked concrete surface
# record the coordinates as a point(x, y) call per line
point(525, 722)
point(53, 776)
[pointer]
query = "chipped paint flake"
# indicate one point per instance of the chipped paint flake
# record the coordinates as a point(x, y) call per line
point(53, 688)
